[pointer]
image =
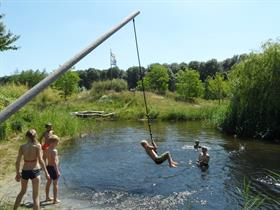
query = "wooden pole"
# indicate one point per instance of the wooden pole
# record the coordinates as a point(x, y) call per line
point(26, 97)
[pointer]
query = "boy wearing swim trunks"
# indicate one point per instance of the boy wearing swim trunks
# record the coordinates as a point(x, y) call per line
point(152, 152)
point(53, 169)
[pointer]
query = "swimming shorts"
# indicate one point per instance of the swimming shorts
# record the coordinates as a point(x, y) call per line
point(52, 172)
point(160, 159)
point(30, 174)
point(45, 146)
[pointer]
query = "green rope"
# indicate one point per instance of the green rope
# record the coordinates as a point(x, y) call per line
point(142, 82)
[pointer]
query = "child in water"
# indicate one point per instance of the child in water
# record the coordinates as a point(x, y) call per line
point(203, 158)
point(53, 169)
point(196, 144)
point(152, 152)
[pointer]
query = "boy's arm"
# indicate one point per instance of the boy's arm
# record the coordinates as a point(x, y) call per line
point(17, 178)
point(154, 144)
point(56, 162)
point(41, 161)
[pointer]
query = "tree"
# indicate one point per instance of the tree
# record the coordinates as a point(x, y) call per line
point(87, 77)
point(67, 83)
point(216, 88)
point(29, 77)
point(157, 79)
point(254, 109)
point(133, 76)
point(6, 38)
point(188, 84)
point(209, 69)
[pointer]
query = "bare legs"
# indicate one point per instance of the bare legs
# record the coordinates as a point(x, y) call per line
point(48, 185)
point(172, 163)
point(55, 190)
point(21, 193)
point(35, 193)
point(166, 156)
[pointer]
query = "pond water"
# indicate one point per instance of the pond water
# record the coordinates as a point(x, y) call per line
point(110, 170)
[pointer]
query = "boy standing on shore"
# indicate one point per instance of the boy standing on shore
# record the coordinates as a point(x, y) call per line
point(53, 169)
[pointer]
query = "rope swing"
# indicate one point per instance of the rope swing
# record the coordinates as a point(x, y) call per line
point(142, 82)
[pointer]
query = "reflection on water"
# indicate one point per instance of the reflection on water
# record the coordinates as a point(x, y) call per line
point(110, 170)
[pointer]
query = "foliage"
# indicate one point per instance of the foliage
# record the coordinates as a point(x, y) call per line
point(188, 84)
point(133, 76)
point(99, 88)
point(67, 84)
point(156, 80)
point(46, 98)
point(250, 202)
point(7, 39)
point(87, 77)
point(217, 87)
point(28, 77)
point(9, 93)
point(254, 109)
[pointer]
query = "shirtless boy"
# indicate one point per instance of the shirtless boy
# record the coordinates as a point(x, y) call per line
point(152, 152)
point(203, 158)
point(53, 169)
point(196, 145)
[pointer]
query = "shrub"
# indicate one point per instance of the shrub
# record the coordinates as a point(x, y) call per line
point(17, 126)
point(100, 87)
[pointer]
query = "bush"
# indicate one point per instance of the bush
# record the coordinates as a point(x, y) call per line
point(100, 87)
point(17, 126)
point(254, 110)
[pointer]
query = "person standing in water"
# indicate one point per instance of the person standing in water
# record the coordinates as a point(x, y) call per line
point(32, 156)
point(196, 144)
point(152, 152)
point(203, 158)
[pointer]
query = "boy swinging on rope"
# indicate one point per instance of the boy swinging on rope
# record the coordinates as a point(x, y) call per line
point(152, 152)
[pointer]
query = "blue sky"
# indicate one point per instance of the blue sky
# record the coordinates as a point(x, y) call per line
point(168, 31)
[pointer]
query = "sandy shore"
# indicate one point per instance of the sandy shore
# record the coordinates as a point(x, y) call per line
point(9, 189)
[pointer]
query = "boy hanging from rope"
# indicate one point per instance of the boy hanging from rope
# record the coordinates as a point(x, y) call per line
point(152, 152)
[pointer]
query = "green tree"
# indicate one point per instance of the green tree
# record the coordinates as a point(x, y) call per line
point(216, 88)
point(156, 79)
point(28, 77)
point(188, 84)
point(254, 110)
point(87, 77)
point(67, 83)
point(6, 38)
point(133, 76)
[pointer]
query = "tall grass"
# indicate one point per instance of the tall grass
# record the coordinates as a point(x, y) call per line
point(10, 92)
